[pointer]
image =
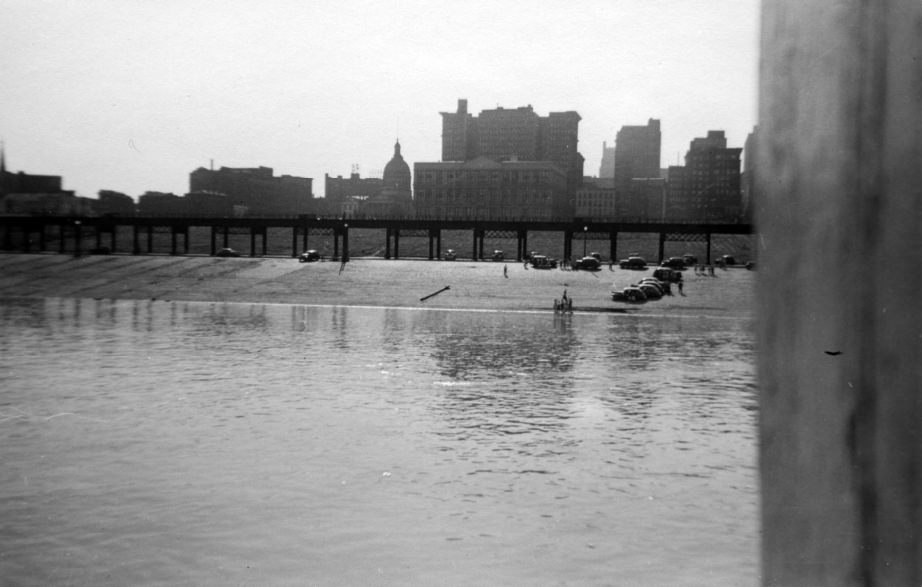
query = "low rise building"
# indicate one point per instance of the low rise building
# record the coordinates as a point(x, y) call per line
point(492, 190)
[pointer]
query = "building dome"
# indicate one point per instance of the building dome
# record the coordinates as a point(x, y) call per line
point(397, 174)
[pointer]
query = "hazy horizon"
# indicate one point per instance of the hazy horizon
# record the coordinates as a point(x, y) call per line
point(133, 96)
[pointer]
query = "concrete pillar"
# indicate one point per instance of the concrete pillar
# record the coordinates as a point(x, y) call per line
point(838, 214)
point(78, 236)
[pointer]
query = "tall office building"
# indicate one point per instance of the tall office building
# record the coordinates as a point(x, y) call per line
point(707, 188)
point(516, 134)
point(637, 153)
point(607, 167)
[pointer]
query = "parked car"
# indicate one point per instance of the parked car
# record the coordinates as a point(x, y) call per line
point(633, 263)
point(227, 252)
point(542, 262)
point(309, 256)
point(450, 255)
point(728, 260)
point(497, 255)
point(587, 264)
point(690, 260)
point(631, 293)
point(597, 256)
point(674, 263)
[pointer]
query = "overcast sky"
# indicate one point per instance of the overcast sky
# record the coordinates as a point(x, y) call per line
point(132, 95)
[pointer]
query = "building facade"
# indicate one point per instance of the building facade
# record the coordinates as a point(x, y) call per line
point(637, 153)
point(39, 195)
point(487, 189)
point(708, 187)
point(256, 190)
point(595, 201)
point(748, 179)
point(340, 189)
point(607, 167)
point(505, 134)
point(114, 203)
point(395, 198)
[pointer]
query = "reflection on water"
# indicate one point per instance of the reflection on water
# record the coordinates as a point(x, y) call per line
point(211, 443)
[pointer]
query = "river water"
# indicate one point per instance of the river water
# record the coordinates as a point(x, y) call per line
point(173, 443)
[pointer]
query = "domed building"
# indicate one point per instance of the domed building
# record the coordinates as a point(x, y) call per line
point(396, 195)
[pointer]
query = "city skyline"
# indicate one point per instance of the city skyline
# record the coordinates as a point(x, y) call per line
point(132, 97)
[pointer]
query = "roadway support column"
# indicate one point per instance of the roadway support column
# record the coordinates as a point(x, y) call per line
point(226, 236)
point(136, 240)
point(474, 253)
point(613, 246)
point(112, 239)
point(265, 240)
point(387, 243)
point(294, 242)
point(396, 243)
point(345, 243)
point(77, 238)
point(172, 240)
point(214, 240)
point(707, 256)
point(150, 239)
point(662, 247)
point(480, 244)
point(430, 244)
point(523, 244)
point(253, 241)
point(61, 235)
